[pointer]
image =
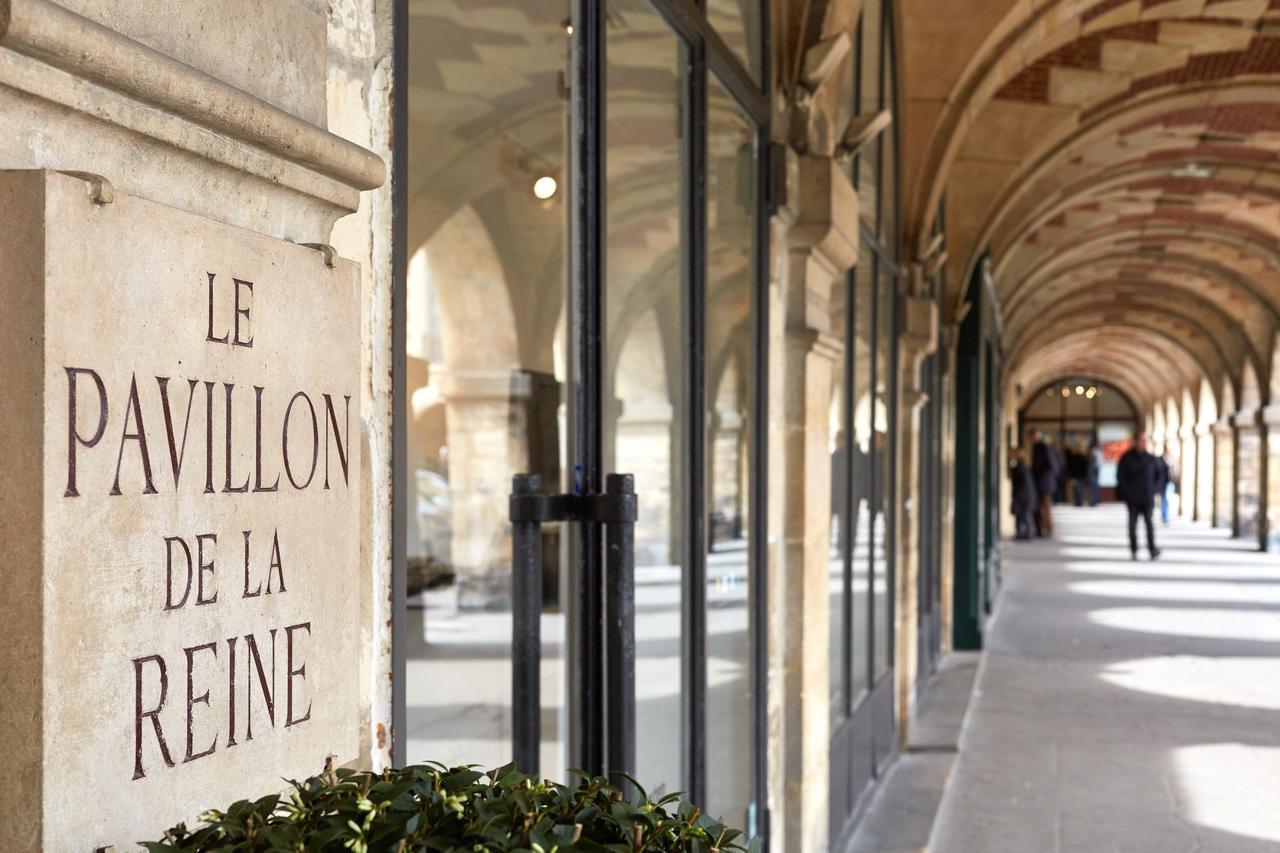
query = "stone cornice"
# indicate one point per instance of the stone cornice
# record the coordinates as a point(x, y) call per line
point(50, 34)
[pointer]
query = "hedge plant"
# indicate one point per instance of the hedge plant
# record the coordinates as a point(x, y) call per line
point(431, 807)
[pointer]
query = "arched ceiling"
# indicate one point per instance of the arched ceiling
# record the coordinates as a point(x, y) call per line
point(1120, 161)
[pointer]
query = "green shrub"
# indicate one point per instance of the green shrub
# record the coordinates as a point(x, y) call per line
point(431, 807)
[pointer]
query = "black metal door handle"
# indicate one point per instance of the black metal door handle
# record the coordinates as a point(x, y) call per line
point(616, 509)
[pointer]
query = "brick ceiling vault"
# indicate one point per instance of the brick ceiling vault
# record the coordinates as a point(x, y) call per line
point(1120, 160)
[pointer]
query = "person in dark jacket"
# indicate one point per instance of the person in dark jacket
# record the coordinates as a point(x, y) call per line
point(1024, 494)
point(1078, 469)
point(1044, 471)
point(1139, 478)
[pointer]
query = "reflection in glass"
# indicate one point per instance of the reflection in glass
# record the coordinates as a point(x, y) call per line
point(739, 23)
point(870, 100)
point(647, 359)
point(883, 473)
point(837, 580)
point(731, 208)
point(864, 421)
point(487, 237)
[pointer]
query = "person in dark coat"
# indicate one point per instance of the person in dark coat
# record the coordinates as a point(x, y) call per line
point(1024, 494)
point(1078, 469)
point(1139, 478)
point(1060, 485)
point(1044, 471)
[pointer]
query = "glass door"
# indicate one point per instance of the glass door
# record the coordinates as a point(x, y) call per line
point(585, 234)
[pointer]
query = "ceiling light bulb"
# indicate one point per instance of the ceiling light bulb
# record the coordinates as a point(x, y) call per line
point(1066, 392)
point(545, 187)
point(1079, 389)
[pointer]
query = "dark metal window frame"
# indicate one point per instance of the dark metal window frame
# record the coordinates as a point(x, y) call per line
point(705, 52)
point(874, 707)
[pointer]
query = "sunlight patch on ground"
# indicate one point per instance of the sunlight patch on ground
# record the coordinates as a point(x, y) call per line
point(1221, 624)
point(1171, 590)
point(1230, 787)
point(1252, 683)
point(1228, 568)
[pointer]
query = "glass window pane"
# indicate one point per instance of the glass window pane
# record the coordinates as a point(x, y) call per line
point(867, 175)
point(889, 148)
point(731, 219)
point(837, 583)
point(881, 548)
point(647, 359)
point(738, 22)
point(860, 520)
point(487, 246)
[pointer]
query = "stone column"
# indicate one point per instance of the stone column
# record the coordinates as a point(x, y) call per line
point(822, 245)
point(918, 339)
point(1206, 457)
point(1224, 474)
point(495, 429)
point(1188, 470)
point(1269, 535)
point(1248, 465)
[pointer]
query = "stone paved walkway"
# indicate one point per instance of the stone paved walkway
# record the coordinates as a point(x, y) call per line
point(1124, 706)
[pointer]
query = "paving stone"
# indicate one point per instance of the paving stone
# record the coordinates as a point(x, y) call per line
point(1123, 706)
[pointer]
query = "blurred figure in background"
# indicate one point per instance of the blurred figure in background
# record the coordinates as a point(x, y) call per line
point(1140, 477)
point(1078, 470)
point(1045, 472)
point(1024, 494)
point(1096, 458)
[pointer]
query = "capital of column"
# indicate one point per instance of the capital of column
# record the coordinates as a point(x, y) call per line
point(826, 213)
point(1270, 415)
point(919, 327)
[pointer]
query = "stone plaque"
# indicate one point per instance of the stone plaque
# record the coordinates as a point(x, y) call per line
point(179, 514)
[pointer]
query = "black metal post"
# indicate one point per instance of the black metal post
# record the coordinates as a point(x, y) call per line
point(620, 626)
point(399, 383)
point(587, 307)
point(526, 629)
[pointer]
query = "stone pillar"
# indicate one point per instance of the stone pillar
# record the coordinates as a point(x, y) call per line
point(1248, 478)
point(1206, 458)
point(918, 339)
point(1188, 471)
point(822, 245)
point(1224, 474)
point(1269, 535)
point(495, 429)
point(196, 141)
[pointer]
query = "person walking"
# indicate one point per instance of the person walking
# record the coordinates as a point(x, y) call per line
point(1024, 494)
point(1078, 468)
point(1139, 479)
point(1096, 458)
point(1044, 471)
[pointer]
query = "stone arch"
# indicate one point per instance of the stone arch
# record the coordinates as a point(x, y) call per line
point(1250, 391)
